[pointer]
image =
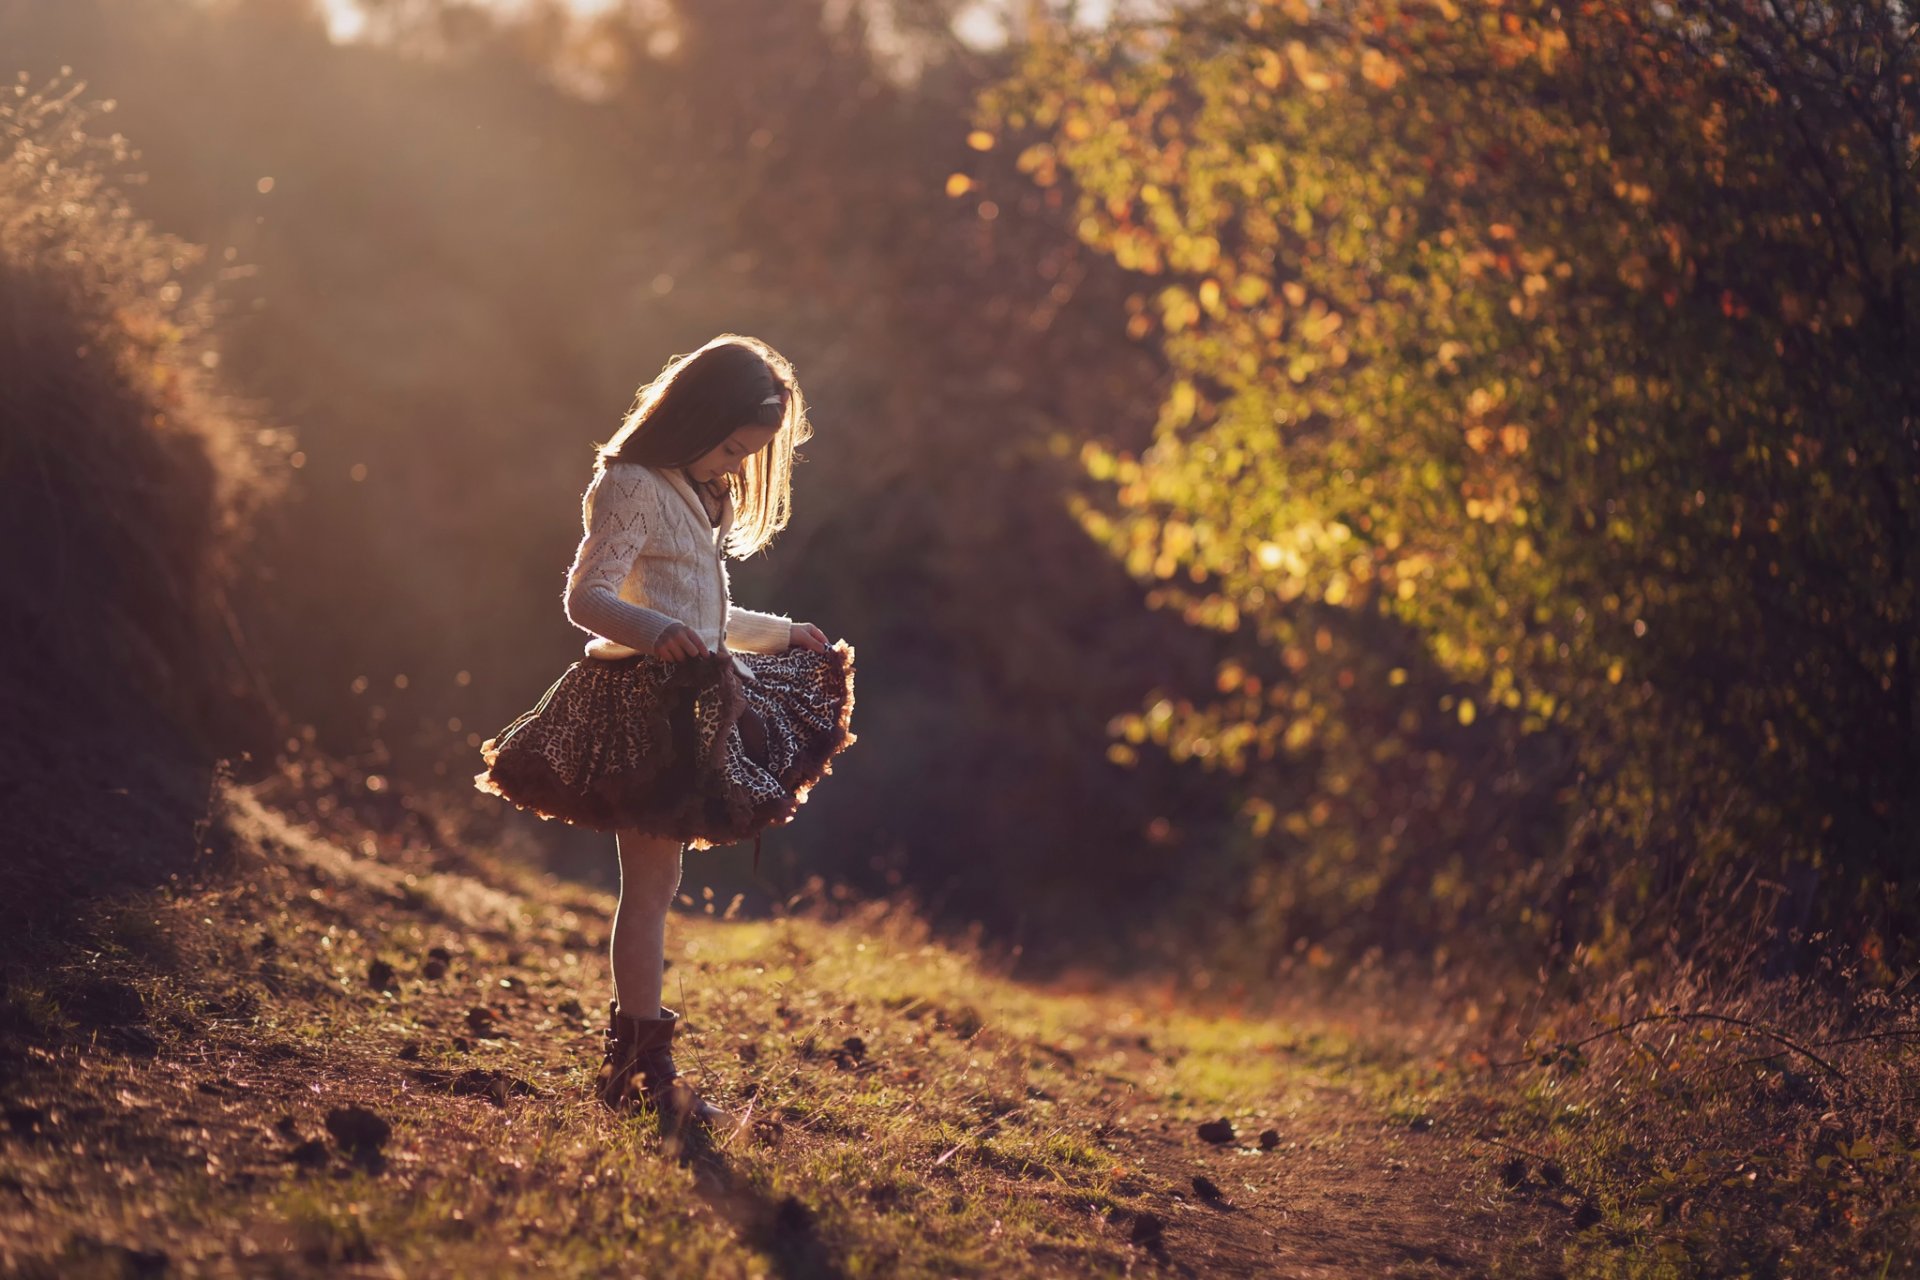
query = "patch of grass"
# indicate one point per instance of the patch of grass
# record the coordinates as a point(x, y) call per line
point(908, 1110)
point(1696, 1133)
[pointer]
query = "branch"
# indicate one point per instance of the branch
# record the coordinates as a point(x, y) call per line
point(1743, 1023)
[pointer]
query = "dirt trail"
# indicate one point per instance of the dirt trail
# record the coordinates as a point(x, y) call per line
point(1332, 1187)
point(184, 1095)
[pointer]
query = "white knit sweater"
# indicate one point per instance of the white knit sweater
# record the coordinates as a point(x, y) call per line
point(650, 557)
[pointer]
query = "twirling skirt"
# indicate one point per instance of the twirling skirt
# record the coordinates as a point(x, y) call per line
point(689, 750)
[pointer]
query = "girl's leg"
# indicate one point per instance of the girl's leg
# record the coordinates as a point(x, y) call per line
point(649, 877)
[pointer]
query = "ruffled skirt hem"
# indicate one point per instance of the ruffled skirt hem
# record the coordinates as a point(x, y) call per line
point(690, 750)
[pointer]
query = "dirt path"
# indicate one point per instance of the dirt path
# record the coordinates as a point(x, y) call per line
point(375, 1062)
point(1321, 1183)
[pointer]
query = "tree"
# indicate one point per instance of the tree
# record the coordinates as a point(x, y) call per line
point(1545, 428)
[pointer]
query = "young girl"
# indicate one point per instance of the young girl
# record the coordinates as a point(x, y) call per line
point(690, 722)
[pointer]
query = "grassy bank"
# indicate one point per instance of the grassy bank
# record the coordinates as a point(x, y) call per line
point(342, 1050)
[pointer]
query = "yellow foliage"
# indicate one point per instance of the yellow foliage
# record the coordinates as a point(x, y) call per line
point(1379, 70)
point(1268, 69)
point(1307, 69)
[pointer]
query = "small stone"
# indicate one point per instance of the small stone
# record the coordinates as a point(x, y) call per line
point(1219, 1131)
point(495, 1086)
point(135, 1041)
point(358, 1129)
point(310, 1154)
point(1269, 1139)
point(28, 1121)
point(792, 1218)
point(1148, 1230)
point(145, 1262)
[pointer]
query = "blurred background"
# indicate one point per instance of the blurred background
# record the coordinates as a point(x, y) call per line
point(1308, 484)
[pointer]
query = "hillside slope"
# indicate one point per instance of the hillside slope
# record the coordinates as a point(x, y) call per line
point(349, 1051)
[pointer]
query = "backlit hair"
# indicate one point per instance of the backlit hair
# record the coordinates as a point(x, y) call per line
point(699, 400)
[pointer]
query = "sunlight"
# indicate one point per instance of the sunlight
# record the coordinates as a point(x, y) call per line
point(347, 20)
point(985, 25)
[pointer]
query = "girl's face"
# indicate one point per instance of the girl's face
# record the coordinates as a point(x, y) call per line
point(727, 457)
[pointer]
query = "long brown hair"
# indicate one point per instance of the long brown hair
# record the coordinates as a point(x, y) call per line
point(703, 397)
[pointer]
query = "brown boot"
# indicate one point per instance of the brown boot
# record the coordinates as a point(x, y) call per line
point(639, 1071)
point(614, 1083)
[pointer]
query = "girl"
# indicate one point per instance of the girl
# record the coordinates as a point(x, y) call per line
point(690, 722)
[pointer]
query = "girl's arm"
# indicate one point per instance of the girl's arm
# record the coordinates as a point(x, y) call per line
point(757, 632)
point(615, 514)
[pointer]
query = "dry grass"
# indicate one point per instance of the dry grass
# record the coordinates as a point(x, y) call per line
point(910, 1111)
point(1712, 1127)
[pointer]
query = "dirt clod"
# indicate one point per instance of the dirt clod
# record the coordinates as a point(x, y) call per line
point(310, 1154)
point(792, 1218)
point(145, 1262)
point(477, 1082)
point(357, 1129)
point(1269, 1139)
point(28, 1121)
point(1217, 1131)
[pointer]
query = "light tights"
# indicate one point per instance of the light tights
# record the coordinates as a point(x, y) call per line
point(649, 878)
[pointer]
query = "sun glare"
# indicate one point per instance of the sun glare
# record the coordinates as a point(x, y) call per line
point(985, 25)
point(347, 20)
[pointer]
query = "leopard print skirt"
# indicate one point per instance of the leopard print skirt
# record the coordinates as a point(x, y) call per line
point(689, 750)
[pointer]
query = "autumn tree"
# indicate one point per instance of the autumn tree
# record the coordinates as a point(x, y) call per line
point(1544, 429)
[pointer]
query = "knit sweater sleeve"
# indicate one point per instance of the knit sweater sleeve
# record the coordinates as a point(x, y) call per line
point(617, 517)
point(757, 632)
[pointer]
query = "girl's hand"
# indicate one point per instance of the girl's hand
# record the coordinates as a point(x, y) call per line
point(805, 635)
point(679, 642)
